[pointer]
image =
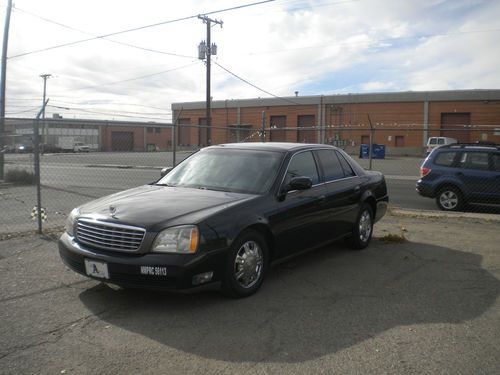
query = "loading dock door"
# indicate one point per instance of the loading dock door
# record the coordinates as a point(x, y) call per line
point(309, 135)
point(122, 141)
point(277, 133)
point(453, 126)
point(184, 130)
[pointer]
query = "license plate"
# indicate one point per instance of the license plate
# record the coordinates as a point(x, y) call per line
point(96, 269)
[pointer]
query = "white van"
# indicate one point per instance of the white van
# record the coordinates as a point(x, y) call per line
point(434, 142)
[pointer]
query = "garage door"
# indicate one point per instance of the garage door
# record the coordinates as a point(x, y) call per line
point(184, 130)
point(452, 125)
point(122, 141)
point(277, 133)
point(306, 136)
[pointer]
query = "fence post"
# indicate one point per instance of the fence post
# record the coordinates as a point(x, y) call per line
point(36, 151)
point(370, 149)
point(263, 130)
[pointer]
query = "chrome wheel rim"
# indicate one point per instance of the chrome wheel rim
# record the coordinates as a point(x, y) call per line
point(248, 264)
point(365, 226)
point(448, 199)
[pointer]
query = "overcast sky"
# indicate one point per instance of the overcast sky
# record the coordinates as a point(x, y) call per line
point(315, 47)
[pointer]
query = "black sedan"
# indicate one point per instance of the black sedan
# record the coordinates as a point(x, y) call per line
point(223, 216)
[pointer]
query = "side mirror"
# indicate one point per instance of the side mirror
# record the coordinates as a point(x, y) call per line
point(165, 171)
point(296, 183)
point(299, 183)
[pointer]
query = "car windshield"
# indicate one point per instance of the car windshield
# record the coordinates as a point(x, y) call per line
point(232, 170)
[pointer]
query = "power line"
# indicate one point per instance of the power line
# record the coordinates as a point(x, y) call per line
point(137, 29)
point(131, 79)
point(77, 110)
point(111, 103)
point(106, 39)
point(254, 86)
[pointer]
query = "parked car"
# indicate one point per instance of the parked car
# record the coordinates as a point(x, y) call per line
point(49, 148)
point(458, 174)
point(434, 142)
point(24, 148)
point(81, 147)
point(223, 215)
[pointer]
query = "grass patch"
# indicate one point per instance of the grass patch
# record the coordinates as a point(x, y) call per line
point(20, 177)
point(393, 238)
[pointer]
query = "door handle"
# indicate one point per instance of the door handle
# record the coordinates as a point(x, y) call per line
point(357, 189)
point(321, 198)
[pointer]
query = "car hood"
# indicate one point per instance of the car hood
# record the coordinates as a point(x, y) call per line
point(154, 207)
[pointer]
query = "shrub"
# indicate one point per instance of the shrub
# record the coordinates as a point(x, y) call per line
point(20, 177)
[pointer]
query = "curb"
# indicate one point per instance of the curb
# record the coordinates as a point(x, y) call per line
point(397, 211)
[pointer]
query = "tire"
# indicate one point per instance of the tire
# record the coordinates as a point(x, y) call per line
point(363, 229)
point(246, 265)
point(450, 198)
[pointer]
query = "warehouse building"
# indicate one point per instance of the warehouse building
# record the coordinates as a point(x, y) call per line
point(99, 135)
point(402, 121)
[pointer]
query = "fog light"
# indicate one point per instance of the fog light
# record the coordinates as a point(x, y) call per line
point(202, 278)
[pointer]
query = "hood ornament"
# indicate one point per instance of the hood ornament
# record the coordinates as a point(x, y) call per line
point(112, 211)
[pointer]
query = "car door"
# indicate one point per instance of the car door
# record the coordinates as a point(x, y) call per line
point(342, 192)
point(297, 220)
point(494, 185)
point(475, 174)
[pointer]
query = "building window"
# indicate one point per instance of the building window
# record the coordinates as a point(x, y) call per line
point(158, 130)
point(150, 130)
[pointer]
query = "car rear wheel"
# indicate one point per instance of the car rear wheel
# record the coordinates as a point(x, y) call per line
point(450, 199)
point(246, 265)
point(363, 229)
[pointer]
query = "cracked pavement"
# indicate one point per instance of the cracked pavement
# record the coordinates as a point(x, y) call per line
point(427, 305)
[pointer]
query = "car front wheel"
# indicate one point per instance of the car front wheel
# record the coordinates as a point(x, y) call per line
point(246, 265)
point(450, 199)
point(363, 229)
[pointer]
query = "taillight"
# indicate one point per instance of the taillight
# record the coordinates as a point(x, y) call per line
point(424, 171)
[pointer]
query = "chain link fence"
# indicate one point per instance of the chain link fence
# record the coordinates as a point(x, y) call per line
point(91, 161)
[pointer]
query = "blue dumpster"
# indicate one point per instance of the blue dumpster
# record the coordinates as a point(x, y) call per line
point(364, 151)
point(378, 152)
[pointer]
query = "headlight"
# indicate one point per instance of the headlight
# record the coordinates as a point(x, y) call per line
point(70, 222)
point(182, 240)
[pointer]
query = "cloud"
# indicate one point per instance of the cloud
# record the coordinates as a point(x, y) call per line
point(312, 46)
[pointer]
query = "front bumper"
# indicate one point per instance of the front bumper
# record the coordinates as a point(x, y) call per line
point(125, 269)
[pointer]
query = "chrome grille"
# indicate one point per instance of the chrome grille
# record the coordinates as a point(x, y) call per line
point(109, 236)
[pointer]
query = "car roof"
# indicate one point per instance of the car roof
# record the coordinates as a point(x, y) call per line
point(271, 146)
point(471, 146)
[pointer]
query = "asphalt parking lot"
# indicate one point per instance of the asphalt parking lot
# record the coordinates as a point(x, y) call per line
point(427, 305)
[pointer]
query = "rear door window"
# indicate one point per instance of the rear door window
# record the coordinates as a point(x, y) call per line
point(332, 168)
point(495, 165)
point(474, 160)
point(445, 159)
point(348, 172)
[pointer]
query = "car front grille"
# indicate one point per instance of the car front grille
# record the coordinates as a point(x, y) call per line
point(109, 236)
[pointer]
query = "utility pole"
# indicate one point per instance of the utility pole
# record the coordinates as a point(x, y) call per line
point(206, 50)
point(3, 85)
point(44, 129)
